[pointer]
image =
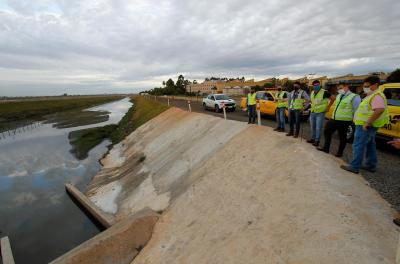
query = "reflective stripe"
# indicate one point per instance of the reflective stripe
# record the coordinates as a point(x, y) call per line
point(344, 107)
point(365, 111)
point(319, 104)
point(297, 103)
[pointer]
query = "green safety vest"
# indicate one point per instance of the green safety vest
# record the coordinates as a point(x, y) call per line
point(319, 104)
point(364, 111)
point(251, 99)
point(297, 103)
point(343, 110)
point(281, 100)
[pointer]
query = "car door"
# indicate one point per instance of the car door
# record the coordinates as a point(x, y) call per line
point(211, 101)
point(269, 104)
point(392, 93)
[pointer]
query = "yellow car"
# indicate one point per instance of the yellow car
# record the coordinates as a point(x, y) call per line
point(268, 105)
point(391, 130)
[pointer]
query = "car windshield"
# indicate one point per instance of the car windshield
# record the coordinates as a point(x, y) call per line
point(392, 96)
point(221, 97)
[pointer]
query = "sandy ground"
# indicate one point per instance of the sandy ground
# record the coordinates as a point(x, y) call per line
point(232, 193)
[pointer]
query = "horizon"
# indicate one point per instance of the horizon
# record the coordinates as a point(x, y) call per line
point(74, 47)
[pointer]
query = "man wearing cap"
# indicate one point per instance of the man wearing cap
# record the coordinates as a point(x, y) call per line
point(321, 101)
point(371, 114)
point(296, 100)
point(345, 106)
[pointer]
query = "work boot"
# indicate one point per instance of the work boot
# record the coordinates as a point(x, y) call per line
point(311, 141)
point(323, 149)
point(296, 136)
point(368, 169)
point(339, 155)
point(277, 129)
point(350, 169)
point(289, 134)
point(396, 221)
point(316, 143)
point(281, 130)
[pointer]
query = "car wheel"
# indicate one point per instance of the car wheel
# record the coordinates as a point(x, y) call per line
point(234, 109)
point(216, 109)
point(204, 106)
point(350, 134)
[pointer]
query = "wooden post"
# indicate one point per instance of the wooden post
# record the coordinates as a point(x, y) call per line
point(258, 113)
point(190, 108)
point(224, 110)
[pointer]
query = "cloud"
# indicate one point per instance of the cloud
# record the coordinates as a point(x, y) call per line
point(99, 46)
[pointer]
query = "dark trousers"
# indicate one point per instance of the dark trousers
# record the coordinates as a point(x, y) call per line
point(330, 128)
point(294, 121)
point(252, 113)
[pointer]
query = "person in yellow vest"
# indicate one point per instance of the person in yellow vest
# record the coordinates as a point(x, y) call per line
point(296, 100)
point(251, 106)
point(281, 99)
point(321, 101)
point(371, 114)
point(345, 106)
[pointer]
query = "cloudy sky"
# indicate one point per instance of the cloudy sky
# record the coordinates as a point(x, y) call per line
point(102, 46)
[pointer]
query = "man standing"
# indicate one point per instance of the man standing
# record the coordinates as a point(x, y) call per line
point(371, 114)
point(346, 105)
point(297, 99)
point(280, 109)
point(320, 103)
point(251, 106)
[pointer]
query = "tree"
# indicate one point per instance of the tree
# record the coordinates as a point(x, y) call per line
point(394, 77)
point(268, 85)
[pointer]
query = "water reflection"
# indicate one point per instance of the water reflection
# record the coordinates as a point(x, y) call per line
point(35, 163)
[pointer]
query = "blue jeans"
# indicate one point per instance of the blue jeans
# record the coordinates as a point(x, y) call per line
point(316, 123)
point(364, 145)
point(294, 121)
point(280, 117)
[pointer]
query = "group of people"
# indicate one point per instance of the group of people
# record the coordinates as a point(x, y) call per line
point(368, 115)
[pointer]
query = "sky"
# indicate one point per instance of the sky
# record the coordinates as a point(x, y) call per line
point(51, 47)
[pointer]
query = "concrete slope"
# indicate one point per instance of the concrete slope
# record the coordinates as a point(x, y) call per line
point(152, 165)
point(266, 198)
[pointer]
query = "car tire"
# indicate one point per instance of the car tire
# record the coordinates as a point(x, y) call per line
point(204, 106)
point(234, 109)
point(216, 109)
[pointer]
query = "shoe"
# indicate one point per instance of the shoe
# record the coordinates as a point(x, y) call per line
point(277, 129)
point(289, 134)
point(296, 136)
point(311, 141)
point(316, 144)
point(248, 122)
point(323, 149)
point(339, 155)
point(350, 169)
point(368, 169)
point(396, 221)
point(281, 130)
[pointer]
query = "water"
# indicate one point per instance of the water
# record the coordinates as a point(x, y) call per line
point(39, 217)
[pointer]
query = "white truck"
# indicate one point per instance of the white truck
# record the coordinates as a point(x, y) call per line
point(217, 101)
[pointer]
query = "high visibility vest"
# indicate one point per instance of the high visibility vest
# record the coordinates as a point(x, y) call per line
point(343, 110)
point(319, 104)
point(297, 103)
point(251, 99)
point(281, 100)
point(364, 111)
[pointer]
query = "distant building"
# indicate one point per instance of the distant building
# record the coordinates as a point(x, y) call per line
point(355, 81)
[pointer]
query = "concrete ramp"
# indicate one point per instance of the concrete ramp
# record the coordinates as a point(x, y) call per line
point(235, 193)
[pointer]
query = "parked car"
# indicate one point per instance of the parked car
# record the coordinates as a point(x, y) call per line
point(391, 130)
point(268, 105)
point(217, 101)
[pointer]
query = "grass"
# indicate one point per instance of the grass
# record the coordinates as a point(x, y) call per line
point(142, 111)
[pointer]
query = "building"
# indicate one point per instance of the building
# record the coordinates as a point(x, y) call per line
point(205, 87)
point(355, 81)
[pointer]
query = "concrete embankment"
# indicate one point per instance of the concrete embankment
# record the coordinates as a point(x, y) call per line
point(233, 193)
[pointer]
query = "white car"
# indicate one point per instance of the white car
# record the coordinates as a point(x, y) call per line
point(217, 101)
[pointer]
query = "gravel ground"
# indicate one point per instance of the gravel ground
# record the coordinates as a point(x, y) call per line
point(386, 180)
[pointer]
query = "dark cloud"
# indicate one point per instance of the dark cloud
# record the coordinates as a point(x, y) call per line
point(131, 45)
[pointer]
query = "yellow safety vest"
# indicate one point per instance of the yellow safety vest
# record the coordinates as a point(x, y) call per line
point(343, 110)
point(281, 100)
point(297, 103)
point(365, 111)
point(319, 104)
point(251, 99)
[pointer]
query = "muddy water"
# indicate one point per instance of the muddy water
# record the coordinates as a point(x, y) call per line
point(35, 162)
